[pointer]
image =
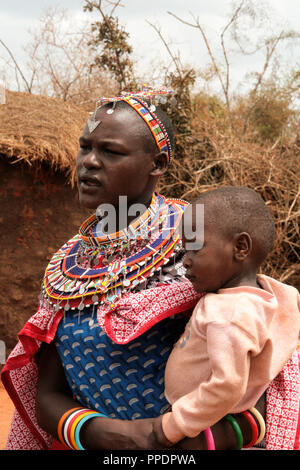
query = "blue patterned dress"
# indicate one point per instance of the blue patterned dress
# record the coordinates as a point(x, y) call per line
point(120, 381)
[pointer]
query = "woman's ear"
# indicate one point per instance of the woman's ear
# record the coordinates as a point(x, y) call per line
point(242, 246)
point(160, 164)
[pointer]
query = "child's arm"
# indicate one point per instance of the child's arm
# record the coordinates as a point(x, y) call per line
point(223, 433)
point(229, 349)
point(54, 398)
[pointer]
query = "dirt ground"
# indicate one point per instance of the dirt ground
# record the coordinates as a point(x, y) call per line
point(6, 412)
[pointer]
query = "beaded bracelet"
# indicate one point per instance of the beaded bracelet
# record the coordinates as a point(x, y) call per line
point(237, 431)
point(261, 423)
point(254, 428)
point(70, 424)
point(79, 426)
point(256, 436)
point(209, 439)
point(65, 422)
point(72, 428)
point(61, 423)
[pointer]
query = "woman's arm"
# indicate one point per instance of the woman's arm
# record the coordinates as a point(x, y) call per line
point(54, 398)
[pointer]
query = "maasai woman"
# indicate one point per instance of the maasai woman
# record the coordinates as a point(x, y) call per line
point(89, 365)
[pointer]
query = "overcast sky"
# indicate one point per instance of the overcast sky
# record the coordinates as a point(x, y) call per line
point(17, 16)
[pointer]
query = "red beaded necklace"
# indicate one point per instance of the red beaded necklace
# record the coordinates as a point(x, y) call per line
point(93, 268)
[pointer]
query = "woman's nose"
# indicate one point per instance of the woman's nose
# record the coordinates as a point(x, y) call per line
point(186, 261)
point(91, 160)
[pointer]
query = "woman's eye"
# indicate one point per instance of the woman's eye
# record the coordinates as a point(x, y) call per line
point(84, 147)
point(111, 151)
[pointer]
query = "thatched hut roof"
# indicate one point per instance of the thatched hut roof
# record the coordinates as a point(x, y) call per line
point(38, 130)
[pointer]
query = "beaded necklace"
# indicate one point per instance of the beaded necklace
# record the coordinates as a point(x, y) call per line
point(93, 268)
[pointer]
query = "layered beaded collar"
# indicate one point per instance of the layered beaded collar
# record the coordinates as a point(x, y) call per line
point(93, 268)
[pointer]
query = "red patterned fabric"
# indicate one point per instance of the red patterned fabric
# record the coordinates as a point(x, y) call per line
point(283, 412)
point(138, 312)
point(20, 372)
point(133, 315)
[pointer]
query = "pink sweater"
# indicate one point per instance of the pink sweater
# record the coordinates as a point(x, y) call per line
point(234, 345)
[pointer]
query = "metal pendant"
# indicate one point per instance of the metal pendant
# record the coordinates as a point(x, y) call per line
point(92, 123)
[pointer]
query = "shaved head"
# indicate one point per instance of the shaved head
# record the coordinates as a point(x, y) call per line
point(142, 129)
point(235, 209)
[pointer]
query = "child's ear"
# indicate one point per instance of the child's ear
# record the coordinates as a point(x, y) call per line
point(242, 246)
point(160, 164)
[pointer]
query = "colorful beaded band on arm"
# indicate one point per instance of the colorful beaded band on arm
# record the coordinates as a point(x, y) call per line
point(62, 421)
point(237, 431)
point(254, 428)
point(70, 424)
point(261, 423)
point(79, 426)
point(73, 427)
point(209, 439)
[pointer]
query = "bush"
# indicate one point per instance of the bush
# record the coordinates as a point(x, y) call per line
point(218, 156)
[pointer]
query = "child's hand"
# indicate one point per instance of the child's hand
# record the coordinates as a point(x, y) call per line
point(188, 443)
point(158, 434)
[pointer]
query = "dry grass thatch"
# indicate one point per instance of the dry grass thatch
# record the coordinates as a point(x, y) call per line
point(218, 157)
point(38, 130)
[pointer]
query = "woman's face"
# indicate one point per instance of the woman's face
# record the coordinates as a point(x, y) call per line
point(112, 162)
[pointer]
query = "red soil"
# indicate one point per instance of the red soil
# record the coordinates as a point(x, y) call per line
point(6, 413)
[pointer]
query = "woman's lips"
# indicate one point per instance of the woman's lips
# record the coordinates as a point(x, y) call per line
point(88, 184)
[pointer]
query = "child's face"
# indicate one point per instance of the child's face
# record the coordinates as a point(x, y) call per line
point(211, 267)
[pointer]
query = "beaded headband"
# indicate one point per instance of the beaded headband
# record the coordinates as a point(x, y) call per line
point(136, 101)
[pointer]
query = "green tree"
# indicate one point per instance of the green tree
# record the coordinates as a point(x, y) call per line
point(110, 41)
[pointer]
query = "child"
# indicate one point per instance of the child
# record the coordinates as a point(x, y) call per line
point(242, 331)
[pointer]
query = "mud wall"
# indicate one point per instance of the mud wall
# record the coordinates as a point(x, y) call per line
point(39, 211)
